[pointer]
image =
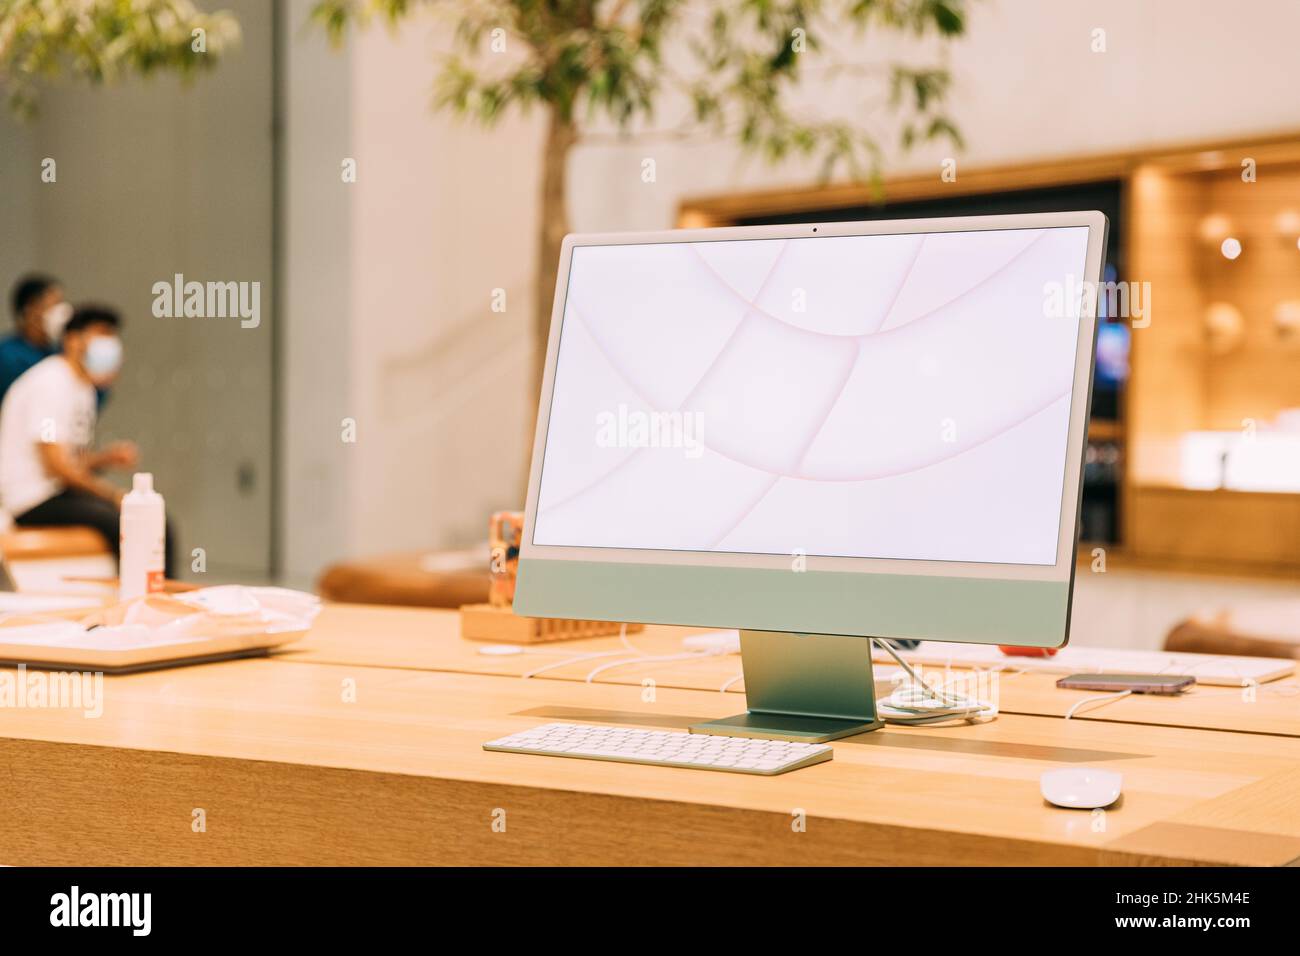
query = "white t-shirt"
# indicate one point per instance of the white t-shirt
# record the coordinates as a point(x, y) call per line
point(49, 403)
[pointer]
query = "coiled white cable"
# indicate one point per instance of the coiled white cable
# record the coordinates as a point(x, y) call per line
point(916, 703)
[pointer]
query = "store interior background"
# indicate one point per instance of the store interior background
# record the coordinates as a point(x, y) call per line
point(376, 295)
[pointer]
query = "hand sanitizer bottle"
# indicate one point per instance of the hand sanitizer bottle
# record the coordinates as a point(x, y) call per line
point(140, 567)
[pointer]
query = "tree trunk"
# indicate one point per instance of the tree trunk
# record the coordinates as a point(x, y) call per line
point(553, 224)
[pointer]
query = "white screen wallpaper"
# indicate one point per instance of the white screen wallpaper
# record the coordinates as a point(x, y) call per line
point(894, 396)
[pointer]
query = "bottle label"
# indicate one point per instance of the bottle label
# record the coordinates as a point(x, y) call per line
point(154, 581)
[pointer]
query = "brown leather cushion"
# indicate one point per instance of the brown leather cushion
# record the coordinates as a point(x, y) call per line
point(404, 579)
point(1266, 630)
point(65, 541)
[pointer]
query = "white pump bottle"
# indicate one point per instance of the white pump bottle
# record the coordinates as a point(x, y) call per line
point(144, 529)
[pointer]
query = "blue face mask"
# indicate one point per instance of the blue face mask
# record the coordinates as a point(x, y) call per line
point(103, 356)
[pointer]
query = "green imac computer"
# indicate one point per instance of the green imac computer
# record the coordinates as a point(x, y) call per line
point(817, 434)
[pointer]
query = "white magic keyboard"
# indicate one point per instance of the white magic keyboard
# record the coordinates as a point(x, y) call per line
point(664, 748)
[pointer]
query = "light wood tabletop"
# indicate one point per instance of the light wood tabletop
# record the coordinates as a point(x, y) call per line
point(318, 763)
point(289, 760)
point(430, 640)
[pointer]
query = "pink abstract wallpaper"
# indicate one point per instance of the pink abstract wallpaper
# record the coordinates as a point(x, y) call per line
point(901, 396)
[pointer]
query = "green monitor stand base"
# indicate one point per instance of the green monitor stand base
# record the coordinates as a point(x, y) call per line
point(808, 688)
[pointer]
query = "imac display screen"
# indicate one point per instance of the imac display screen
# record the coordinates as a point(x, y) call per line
point(897, 396)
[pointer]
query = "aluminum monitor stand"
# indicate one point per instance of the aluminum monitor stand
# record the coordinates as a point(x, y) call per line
point(804, 687)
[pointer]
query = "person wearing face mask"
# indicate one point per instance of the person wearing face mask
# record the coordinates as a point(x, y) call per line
point(49, 471)
point(40, 314)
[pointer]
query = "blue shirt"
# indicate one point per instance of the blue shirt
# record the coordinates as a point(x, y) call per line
point(17, 355)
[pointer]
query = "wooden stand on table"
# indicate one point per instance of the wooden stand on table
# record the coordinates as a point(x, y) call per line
point(483, 622)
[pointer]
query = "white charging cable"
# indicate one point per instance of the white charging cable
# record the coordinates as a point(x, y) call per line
point(916, 703)
point(1107, 698)
point(628, 648)
point(572, 659)
point(648, 659)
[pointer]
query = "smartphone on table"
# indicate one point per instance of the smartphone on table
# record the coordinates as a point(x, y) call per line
point(1137, 683)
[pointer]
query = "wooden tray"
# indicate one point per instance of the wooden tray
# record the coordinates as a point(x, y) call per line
point(483, 622)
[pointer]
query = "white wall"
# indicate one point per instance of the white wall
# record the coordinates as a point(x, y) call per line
point(155, 178)
point(20, 172)
point(316, 378)
point(1026, 87)
point(389, 284)
point(444, 212)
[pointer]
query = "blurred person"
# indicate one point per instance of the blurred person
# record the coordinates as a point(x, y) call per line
point(49, 473)
point(40, 312)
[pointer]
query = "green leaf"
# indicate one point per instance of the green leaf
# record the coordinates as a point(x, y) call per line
point(99, 41)
point(602, 60)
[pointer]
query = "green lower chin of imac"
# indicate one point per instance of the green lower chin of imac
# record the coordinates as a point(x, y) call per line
point(932, 607)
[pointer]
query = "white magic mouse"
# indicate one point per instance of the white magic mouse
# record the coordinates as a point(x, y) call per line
point(1081, 788)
